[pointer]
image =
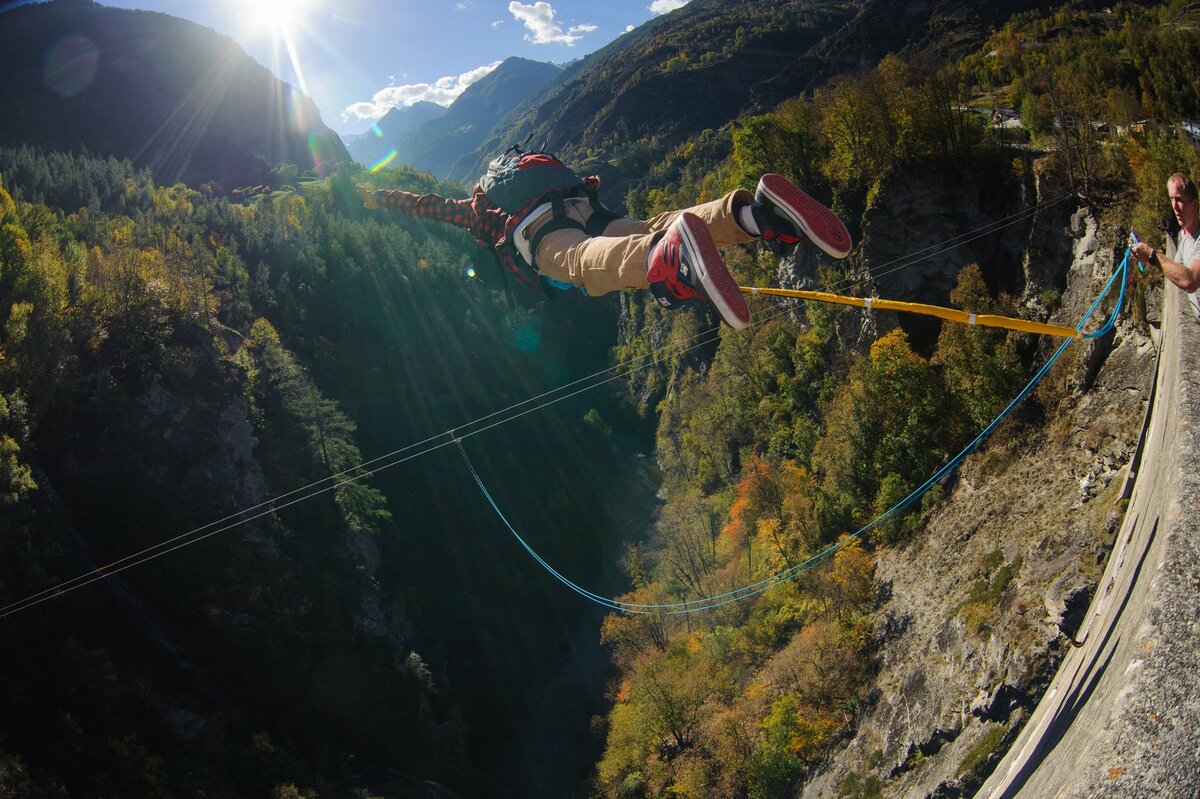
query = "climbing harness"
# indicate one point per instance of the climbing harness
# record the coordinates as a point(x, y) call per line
point(531, 184)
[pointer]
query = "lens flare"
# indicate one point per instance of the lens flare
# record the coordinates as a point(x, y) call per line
point(528, 338)
point(314, 147)
point(71, 65)
point(383, 162)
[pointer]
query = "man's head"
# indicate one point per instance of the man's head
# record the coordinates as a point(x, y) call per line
point(1182, 192)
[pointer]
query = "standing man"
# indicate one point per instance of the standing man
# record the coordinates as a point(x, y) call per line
point(1184, 271)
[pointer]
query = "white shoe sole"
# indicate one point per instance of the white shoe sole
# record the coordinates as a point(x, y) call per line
point(720, 287)
point(822, 226)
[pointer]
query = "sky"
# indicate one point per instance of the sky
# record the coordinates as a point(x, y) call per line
point(359, 58)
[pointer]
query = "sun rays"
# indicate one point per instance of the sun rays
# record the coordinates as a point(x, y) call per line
point(281, 22)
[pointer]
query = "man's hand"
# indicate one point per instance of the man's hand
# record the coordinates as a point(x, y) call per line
point(368, 197)
point(1142, 252)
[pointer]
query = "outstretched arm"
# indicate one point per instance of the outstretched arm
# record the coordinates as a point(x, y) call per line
point(421, 206)
point(1184, 275)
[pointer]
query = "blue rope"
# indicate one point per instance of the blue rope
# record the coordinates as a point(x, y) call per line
point(760, 586)
point(1112, 319)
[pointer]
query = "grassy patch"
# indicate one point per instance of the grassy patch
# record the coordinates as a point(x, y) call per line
point(856, 786)
point(989, 588)
point(984, 747)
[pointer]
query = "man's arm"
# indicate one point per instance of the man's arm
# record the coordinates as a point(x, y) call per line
point(421, 206)
point(1186, 276)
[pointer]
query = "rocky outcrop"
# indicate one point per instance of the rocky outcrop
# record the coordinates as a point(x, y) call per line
point(976, 613)
point(1120, 717)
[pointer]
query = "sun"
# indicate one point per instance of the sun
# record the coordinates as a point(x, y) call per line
point(281, 22)
point(273, 18)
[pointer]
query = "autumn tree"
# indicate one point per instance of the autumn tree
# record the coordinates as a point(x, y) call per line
point(867, 123)
point(785, 141)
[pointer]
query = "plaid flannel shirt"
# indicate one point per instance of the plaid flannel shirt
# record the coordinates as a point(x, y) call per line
point(489, 224)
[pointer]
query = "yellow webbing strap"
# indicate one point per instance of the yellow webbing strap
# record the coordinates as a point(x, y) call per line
point(950, 314)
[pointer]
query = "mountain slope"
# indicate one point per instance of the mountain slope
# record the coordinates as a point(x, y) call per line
point(694, 69)
point(366, 148)
point(166, 93)
point(436, 144)
point(624, 107)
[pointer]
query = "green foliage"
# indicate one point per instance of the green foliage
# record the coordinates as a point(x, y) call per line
point(1140, 51)
point(988, 743)
point(981, 366)
point(774, 432)
point(610, 111)
point(72, 181)
point(287, 398)
point(167, 358)
point(886, 429)
point(16, 478)
point(989, 589)
point(794, 735)
point(300, 307)
point(855, 786)
point(17, 781)
point(1074, 75)
point(784, 141)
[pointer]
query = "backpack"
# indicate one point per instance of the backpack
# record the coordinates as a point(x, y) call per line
point(517, 180)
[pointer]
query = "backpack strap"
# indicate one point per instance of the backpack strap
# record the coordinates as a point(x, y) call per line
point(508, 295)
point(559, 221)
point(596, 223)
point(601, 216)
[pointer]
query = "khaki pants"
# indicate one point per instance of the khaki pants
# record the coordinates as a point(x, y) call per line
point(618, 258)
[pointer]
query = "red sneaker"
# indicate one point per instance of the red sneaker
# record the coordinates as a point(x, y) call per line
point(782, 211)
point(685, 265)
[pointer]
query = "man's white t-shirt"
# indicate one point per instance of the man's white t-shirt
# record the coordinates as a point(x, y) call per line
point(1187, 249)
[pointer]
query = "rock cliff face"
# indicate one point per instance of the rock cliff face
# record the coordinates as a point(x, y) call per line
point(975, 614)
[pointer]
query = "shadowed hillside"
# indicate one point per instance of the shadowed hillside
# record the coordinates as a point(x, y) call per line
point(166, 93)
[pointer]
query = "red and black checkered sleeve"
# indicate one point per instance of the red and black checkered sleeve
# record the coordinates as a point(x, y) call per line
point(487, 223)
point(433, 207)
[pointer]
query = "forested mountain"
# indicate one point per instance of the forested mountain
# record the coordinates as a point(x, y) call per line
point(436, 143)
point(163, 92)
point(258, 406)
point(169, 360)
point(624, 107)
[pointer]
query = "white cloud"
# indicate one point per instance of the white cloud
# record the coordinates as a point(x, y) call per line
point(497, 24)
point(628, 28)
point(442, 91)
point(463, 5)
point(538, 19)
point(663, 6)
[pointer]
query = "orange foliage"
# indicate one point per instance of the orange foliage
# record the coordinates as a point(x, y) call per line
point(757, 494)
point(852, 575)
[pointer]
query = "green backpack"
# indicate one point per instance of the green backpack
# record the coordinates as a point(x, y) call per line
point(518, 181)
